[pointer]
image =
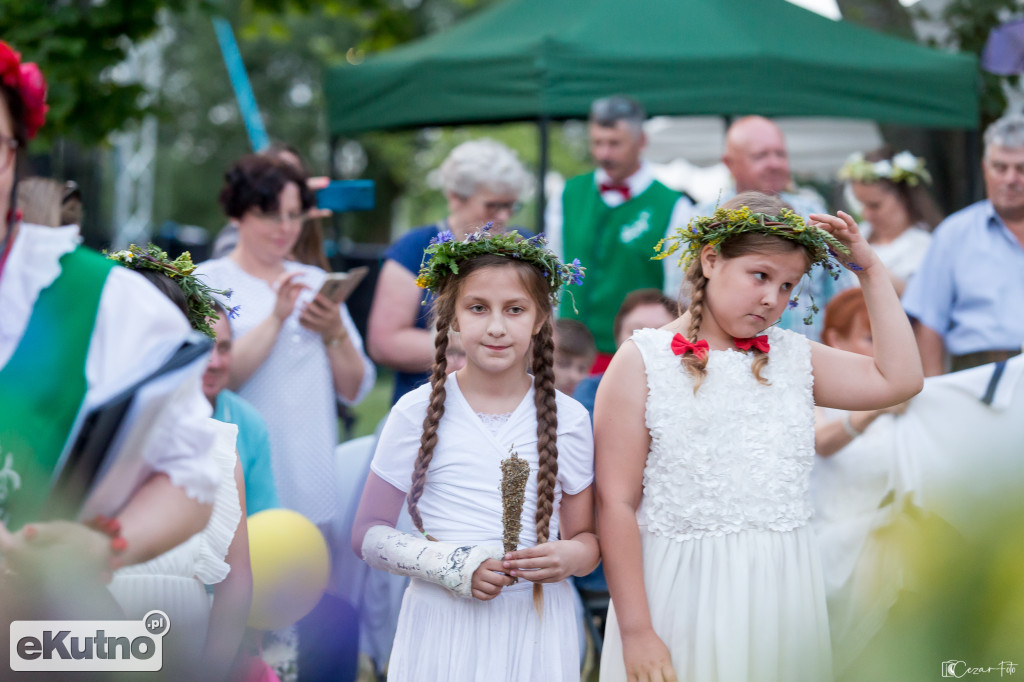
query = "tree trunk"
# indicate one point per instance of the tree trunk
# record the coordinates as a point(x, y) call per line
point(945, 151)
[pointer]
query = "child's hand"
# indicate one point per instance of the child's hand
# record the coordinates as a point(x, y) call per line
point(488, 580)
point(844, 228)
point(39, 549)
point(647, 658)
point(546, 563)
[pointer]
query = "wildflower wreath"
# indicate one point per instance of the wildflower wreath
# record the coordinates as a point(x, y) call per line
point(444, 254)
point(824, 249)
point(200, 296)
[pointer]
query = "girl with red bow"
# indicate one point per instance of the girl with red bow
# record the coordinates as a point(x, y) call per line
point(704, 434)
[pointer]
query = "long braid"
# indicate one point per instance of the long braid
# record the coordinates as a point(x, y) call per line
point(696, 365)
point(435, 410)
point(547, 446)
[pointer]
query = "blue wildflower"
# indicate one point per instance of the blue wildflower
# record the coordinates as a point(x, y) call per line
point(546, 274)
point(488, 226)
point(473, 237)
point(792, 303)
point(445, 236)
point(536, 239)
point(854, 267)
point(234, 312)
point(577, 279)
point(227, 294)
point(575, 263)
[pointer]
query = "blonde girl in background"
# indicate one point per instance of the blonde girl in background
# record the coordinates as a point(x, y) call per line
point(472, 611)
point(705, 441)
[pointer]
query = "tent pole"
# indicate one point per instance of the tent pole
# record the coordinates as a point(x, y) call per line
point(542, 170)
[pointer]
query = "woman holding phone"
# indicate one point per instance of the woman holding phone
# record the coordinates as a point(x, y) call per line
point(296, 352)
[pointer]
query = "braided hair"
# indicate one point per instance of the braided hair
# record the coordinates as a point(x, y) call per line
point(733, 247)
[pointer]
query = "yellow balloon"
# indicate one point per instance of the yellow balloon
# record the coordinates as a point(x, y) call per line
point(290, 567)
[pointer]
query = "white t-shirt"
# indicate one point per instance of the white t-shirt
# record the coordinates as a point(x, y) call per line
point(462, 498)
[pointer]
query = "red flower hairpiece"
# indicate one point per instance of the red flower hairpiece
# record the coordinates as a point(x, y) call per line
point(28, 80)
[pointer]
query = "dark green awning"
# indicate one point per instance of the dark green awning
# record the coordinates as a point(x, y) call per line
point(523, 59)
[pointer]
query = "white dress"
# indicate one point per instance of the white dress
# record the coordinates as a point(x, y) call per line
point(293, 389)
point(444, 637)
point(175, 582)
point(731, 568)
point(903, 255)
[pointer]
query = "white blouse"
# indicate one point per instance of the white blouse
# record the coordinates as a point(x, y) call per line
point(137, 328)
point(293, 389)
point(462, 498)
point(903, 255)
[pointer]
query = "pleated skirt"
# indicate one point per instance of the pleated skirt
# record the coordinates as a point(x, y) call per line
point(444, 637)
point(740, 607)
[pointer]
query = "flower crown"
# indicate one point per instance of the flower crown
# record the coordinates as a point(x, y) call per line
point(198, 294)
point(28, 80)
point(444, 254)
point(724, 223)
point(904, 167)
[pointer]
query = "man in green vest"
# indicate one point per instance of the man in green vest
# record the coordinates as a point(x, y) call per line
point(611, 219)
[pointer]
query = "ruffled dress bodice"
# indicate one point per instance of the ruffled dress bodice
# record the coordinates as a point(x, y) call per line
point(738, 454)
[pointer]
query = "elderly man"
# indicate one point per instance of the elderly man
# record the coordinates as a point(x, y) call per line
point(756, 156)
point(967, 298)
point(611, 219)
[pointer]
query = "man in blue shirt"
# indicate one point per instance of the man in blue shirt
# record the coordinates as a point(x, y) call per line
point(253, 441)
point(967, 298)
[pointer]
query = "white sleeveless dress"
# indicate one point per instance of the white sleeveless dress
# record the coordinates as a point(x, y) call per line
point(731, 568)
point(175, 582)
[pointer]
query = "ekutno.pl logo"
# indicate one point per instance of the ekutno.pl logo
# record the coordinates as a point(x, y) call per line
point(99, 645)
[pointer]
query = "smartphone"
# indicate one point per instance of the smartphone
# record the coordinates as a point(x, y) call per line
point(346, 195)
point(339, 285)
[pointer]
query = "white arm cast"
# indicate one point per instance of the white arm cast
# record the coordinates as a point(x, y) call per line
point(449, 565)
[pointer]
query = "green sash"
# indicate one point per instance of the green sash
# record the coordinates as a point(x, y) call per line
point(615, 245)
point(43, 384)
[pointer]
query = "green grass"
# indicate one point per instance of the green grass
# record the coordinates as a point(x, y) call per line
point(375, 405)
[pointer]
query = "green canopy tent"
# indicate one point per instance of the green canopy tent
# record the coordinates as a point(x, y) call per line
point(548, 59)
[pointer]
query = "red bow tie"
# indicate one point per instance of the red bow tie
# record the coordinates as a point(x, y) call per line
point(680, 346)
point(621, 189)
point(758, 342)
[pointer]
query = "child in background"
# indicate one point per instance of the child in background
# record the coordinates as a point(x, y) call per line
point(464, 615)
point(856, 493)
point(641, 309)
point(575, 351)
point(705, 441)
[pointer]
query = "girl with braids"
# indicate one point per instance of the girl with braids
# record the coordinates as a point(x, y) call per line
point(473, 612)
point(705, 441)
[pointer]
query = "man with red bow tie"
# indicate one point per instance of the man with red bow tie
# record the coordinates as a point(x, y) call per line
point(611, 219)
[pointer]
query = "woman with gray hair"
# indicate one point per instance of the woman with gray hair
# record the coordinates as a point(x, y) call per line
point(483, 181)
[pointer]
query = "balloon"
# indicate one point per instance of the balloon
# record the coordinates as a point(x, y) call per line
point(290, 567)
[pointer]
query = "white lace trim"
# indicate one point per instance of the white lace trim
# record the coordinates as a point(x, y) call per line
point(738, 455)
point(494, 422)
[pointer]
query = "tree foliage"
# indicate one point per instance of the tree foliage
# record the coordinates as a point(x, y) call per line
point(78, 44)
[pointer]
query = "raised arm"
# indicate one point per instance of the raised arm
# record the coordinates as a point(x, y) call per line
point(392, 336)
point(850, 381)
point(622, 443)
point(932, 349)
point(249, 351)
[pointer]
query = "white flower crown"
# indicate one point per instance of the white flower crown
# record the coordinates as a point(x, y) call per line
point(904, 167)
